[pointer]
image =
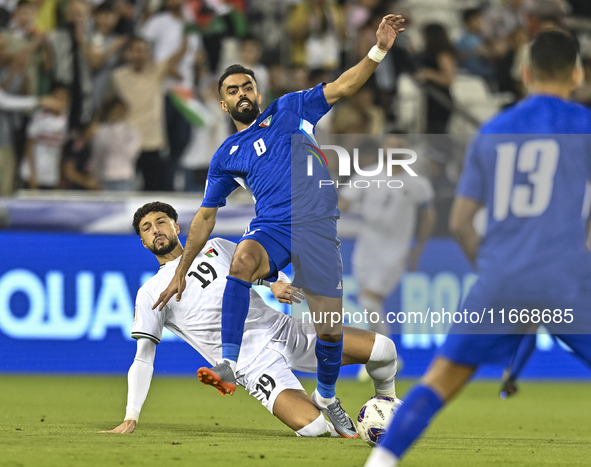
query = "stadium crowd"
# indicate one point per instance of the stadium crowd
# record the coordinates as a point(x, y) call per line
point(136, 80)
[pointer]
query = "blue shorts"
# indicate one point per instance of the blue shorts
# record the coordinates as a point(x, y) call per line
point(313, 249)
point(481, 343)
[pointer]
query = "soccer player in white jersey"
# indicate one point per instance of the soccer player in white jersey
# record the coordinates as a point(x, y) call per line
point(274, 344)
point(383, 246)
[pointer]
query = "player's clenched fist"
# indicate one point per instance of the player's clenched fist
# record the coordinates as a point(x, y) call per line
point(177, 286)
point(126, 427)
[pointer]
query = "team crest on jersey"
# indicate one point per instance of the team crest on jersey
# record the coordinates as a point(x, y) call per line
point(211, 253)
point(266, 122)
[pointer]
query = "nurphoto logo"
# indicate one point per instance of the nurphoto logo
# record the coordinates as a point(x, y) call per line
point(393, 158)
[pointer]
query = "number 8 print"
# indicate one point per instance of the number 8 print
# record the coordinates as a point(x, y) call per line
point(259, 147)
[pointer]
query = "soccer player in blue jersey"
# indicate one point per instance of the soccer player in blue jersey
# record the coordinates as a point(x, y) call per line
point(295, 217)
point(532, 179)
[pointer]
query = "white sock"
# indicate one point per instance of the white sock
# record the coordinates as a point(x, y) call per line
point(321, 400)
point(232, 364)
point(382, 367)
point(381, 457)
point(316, 428)
point(373, 305)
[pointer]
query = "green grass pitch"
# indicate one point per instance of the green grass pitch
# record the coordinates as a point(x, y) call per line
point(46, 421)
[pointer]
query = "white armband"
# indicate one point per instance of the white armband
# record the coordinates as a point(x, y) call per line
point(376, 54)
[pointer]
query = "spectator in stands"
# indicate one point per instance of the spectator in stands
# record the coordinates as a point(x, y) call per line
point(206, 139)
point(299, 78)
point(70, 62)
point(25, 46)
point(317, 28)
point(115, 148)
point(250, 56)
point(11, 81)
point(22, 40)
point(104, 50)
point(266, 19)
point(277, 83)
point(474, 54)
point(218, 20)
point(165, 31)
point(506, 63)
point(443, 187)
point(41, 168)
point(359, 115)
point(76, 161)
point(501, 19)
point(139, 84)
point(130, 14)
point(583, 94)
point(437, 70)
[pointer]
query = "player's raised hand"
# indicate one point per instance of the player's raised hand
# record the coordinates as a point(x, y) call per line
point(177, 286)
point(285, 293)
point(388, 30)
point(126, 427)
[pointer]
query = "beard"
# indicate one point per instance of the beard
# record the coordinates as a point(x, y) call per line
point(165, 248)
point(245, 116)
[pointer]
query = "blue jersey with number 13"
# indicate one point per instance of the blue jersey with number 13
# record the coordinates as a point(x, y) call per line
point(529, 167)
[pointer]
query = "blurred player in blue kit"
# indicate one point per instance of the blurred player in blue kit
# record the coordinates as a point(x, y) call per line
point(532, 179)
point(295, 217)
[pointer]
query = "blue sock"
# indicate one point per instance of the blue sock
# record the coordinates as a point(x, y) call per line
point(413, 416)
point(522, 354)
point(330, 357)
point(234, 310)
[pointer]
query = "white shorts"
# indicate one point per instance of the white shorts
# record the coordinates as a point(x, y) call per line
point(378, 271)
point(271, 371)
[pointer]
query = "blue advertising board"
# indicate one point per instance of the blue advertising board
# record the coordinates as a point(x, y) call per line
point(66, 306)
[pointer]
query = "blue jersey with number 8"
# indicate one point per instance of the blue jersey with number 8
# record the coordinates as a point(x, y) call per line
point(529, 167)
point(262, 157)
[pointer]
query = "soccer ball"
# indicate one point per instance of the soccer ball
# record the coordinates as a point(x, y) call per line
point(374, 417)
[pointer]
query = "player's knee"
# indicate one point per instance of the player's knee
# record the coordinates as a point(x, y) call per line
point(384, 350)
point(315, 428)
point(243, 266)
point(332, 338)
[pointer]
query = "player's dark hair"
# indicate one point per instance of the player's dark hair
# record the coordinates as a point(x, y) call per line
point(146, 209)
point(234, 70)
point(470, 13)
point(553, 56)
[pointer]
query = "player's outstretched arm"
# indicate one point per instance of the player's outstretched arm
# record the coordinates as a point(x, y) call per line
point(461, 225)
point(351, 80)
point(138, 384)
point(199, 232)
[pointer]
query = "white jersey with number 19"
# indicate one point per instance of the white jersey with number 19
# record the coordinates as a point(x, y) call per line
point(197, 317)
